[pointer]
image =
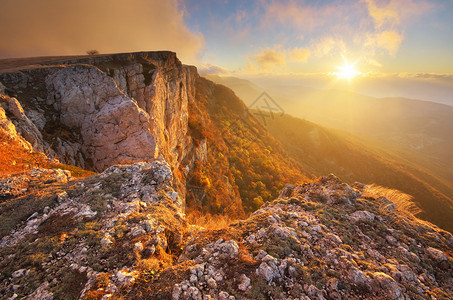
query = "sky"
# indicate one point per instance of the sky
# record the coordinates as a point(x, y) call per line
point(414, 36)
point(402, 39)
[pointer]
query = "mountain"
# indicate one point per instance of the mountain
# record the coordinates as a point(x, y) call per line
point(419, 132)
point(130, 176)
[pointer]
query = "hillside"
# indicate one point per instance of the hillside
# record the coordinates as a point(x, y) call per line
point(324, 150)
point(242, 157)
point(419, 132)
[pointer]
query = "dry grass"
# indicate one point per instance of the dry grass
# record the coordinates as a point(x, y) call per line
point(208, 220)
point(403, 202)
point(14, 158)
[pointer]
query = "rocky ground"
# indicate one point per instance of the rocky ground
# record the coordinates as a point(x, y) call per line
point(123, 234)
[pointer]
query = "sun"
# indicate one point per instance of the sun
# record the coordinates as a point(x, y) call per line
point(347, 71)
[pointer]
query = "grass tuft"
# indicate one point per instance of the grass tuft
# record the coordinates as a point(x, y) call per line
point(403, 202)
point(208, 220)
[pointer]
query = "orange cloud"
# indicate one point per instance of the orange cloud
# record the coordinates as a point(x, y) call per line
point(267, 59)
point(55, 27)
point(328, 45)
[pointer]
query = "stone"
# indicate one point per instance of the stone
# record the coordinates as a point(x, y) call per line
point(18, 273)
point(244, 283)
point(224, 296)
point(357, 277)
point(176, 292)
point(212, 283)
point(436, 254)
point(364, 215)
point(114, 129)
point(387, 285)
point(41, 293)
point(266, 272)
point(10, 130)
point(23, 125)
point(124, 277)
point(334, 238)
point(138, 246)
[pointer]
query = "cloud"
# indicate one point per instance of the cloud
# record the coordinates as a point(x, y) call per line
point(389, 40)
point(299, 54)
point(393, 12)
point(55, 27)
point(268, 58)
point(271, 58)
point(384, 14)
point(328, 45)
point(426, 75)
point(299, 15)
point(209, 69)
point(384, 42)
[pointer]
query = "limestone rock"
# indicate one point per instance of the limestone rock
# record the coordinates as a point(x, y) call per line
point(113, 128)
point(436, 254)
point(362, 216)
point(23, 125)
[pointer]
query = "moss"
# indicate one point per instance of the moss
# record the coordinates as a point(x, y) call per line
point(15, 211)
point(89, 232)
point(71, 284)
point(97, 201)
point(258, 286)
point(112, 183)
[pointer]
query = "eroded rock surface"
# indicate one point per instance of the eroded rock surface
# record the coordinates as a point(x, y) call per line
point(113, 128)
point(91, 228)
point(112, 109)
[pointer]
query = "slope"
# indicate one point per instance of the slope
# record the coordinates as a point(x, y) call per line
point(419, 131)
point(324, 150)
point(243, 159)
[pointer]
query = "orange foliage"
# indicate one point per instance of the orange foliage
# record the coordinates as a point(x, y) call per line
point(14, 158)
point(245, 165)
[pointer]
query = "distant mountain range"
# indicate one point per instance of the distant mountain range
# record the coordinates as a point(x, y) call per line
point(419, 132)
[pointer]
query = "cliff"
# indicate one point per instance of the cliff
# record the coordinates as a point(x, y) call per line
point(99, 111)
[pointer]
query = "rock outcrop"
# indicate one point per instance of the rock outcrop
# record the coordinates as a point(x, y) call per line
point(17, 125)
point(90, 228)
point(112, 109)
point(113, 128)
point(122, 233)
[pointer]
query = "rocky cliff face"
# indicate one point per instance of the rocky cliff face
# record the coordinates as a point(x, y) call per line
point(112, 109)
point(122, 233)
point(96, 112)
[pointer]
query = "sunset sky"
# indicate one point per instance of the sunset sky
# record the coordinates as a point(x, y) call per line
point(402, 38)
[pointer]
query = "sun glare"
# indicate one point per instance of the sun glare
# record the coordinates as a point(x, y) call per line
point(347, 71)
